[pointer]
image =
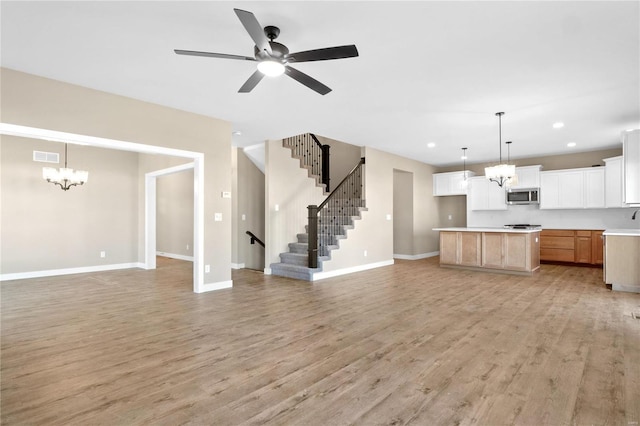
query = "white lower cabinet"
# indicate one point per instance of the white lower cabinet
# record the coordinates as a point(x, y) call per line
point(485, 195)
point(572, 189)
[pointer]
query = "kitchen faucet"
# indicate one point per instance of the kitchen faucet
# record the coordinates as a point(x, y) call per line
point(634, 214)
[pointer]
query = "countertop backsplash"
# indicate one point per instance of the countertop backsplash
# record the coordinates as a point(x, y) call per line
point(555, 219)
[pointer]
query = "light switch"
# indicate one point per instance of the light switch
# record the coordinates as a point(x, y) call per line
point(244, 217)
point(226, 194)
point(388, 217)
point(218, 217)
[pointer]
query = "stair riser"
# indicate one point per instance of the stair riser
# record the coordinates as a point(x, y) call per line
point(298, 247)
point(292, 259)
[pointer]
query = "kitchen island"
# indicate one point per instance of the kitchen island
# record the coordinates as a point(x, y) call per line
point(621, 255)
point(511, 251)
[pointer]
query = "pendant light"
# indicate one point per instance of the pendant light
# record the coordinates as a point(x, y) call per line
point(513, 180)
point(500, 173)
point(464, 183)
point(64, 177)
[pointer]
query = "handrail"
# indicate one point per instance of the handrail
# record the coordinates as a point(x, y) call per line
point(348, 195)
point(361, 162)
point(254, 239)
point(316, 140)
point(313, 154)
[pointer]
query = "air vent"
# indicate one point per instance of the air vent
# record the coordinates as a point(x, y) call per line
point(46, 157)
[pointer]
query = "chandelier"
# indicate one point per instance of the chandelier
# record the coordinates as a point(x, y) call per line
point(64, 177)
point(502, 174)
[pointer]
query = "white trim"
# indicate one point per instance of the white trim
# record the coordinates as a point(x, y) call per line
point(69, 271)
point(214, 286)
point(254, 146)
point(175, 256)
point(267, 271)
point(330, 274)
point(198, 183)
point(624, 287)
point(416, 256)
point(171, 170)
point(73, 138)
point(237, 265)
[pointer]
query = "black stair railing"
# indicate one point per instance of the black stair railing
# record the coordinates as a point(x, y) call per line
point(328, 219)
point(313, 153)
point(254, 239)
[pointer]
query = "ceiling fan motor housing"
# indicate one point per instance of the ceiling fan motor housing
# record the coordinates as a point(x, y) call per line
point(278, 51)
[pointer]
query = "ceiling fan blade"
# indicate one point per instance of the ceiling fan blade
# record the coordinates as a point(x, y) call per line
point(251, 82)
point(310, 82)
point(213, 55)
point(338, 52)
point(254, 29)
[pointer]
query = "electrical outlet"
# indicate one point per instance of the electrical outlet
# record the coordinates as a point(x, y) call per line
point(217, 217)
point(365, 253)
point(388, 217)
point(187, 246)
point(450, 217)
point(103, 254)
point(207, 269)
point(244, 217)
point(277, 207)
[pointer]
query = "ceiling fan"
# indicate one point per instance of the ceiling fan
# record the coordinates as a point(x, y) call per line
point(274, 58)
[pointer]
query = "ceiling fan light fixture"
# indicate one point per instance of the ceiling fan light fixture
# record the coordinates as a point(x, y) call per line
point(271, 68)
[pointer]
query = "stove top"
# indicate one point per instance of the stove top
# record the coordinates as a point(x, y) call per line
point(523, 226)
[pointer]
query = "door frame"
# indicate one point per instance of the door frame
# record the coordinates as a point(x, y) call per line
point(198, 181)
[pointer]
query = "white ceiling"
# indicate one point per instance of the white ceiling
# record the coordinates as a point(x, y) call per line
point(427, 71)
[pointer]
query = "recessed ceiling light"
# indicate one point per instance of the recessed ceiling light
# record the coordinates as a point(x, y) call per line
point(571, 144)
point(431, 145)
point(237, 133)
point(558, 125)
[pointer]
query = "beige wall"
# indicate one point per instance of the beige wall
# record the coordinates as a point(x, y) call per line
point(402, 212)
point(250, 196)
point(43, 103)
point(343, 158)
point(45, 228)
point(174, 214)
point(374, 234)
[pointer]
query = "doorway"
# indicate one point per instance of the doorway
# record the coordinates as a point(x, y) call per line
point(402, 214)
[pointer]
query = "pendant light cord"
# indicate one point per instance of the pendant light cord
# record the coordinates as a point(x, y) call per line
point(65, 155)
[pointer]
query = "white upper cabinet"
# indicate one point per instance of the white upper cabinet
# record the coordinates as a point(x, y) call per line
point(450, 183)
point(613, 182)
point(594, 197)
point(631, 155)
point(485, 195)
point(528, 177)
point(572, 189)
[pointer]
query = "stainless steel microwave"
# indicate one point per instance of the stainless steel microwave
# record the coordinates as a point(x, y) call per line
point(523, 196)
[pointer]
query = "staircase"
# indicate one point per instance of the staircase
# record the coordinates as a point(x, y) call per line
point(330, 220)
point(294, 263)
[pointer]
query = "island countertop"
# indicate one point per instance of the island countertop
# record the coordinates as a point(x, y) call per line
point(623, 232)
point(502, 230)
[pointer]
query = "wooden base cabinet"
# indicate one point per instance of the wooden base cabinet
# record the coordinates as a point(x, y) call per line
point(571, 246)
point(504, 251)
point(460, 248)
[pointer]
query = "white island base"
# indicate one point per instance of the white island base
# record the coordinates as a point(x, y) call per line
point(509, 251)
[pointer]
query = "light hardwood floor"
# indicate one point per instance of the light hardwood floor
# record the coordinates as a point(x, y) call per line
point(411, 343)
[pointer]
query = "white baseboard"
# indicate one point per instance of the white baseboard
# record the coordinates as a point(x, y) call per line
point(69, 271)
point(175, 256)
point(215, 286)
point(237, 266)
point(416, 256)
point(329, 274)
point(627, 288)
point(267, 271)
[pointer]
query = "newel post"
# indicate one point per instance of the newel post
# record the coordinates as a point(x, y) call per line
point(326, 174)
point(312, 230)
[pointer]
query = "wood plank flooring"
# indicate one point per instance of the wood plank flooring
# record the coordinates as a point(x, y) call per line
point(411, 343)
